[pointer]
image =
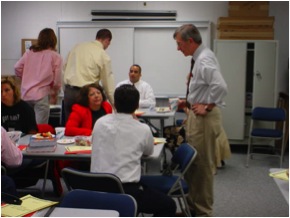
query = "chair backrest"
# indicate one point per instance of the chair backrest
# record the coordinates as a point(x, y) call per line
point(183, 156)
point(268, 114)
point(104, 182)
point(123, 203)
point(42, 128)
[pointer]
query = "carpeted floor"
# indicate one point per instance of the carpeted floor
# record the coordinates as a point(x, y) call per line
point(249, 192)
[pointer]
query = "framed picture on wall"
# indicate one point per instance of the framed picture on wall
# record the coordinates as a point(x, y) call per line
point(26, 43)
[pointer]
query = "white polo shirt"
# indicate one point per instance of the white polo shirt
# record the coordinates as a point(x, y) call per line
point(118, 143)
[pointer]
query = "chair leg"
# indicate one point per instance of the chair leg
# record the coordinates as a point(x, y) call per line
point(45, 179)
point(282, 152)
point(186, 209)
point(248, 152)
point(163, 161)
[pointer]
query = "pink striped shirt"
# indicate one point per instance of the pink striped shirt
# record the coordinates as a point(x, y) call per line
point(39, 71)
point(10, 154)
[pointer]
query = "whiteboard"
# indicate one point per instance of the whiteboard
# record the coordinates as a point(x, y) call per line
point(163, 67)
point(149, 44)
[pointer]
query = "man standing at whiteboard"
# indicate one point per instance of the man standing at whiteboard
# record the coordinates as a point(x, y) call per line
point(88, 63)
point(147, 97)
point(204, 131)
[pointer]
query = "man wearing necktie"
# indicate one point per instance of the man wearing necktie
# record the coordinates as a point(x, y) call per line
point(206, 90)
point(147, 97)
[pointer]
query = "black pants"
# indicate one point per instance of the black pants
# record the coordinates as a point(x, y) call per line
point(70, 98)
point(151, 201)
point(8, 185)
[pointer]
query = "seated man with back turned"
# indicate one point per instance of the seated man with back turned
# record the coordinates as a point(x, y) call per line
point(118, 143)
point(147, 98)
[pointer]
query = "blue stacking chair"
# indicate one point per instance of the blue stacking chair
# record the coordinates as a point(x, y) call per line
point(264, 126)
point(123, 203)
point(104, 182)
point(172, 182)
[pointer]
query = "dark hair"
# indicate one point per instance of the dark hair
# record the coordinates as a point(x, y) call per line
point(188, 31)
point(83, 96)
point(126, 99)
point(46, 40)
point(16, 92)
point(104, 34)
point(136, 65)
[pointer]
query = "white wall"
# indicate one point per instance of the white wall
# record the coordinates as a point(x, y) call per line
point(25, 20)
point(281, 12)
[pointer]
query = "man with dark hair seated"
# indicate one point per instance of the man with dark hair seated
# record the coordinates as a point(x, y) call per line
point(118, 142)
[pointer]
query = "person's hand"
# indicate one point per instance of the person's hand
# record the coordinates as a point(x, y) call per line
point(199, 109)
point(53, 99)
point(53, 96)
point(181, 104)
point(186, 110)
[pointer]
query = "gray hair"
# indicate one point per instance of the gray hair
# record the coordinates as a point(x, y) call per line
point(187, 31)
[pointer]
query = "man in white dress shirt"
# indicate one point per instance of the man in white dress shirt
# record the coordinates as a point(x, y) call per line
point(147, 97)
point(118, 143)
point(206, 91)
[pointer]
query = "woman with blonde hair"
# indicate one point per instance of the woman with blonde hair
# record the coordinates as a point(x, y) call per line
point(16, 114)
point(40, 71)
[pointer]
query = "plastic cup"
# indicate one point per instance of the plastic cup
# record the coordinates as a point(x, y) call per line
point(59, 132)
point(14, 136)
point(173, 102)
point(83, 140)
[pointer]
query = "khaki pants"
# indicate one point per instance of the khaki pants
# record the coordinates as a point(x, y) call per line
point(41, 109)
point(202, 132)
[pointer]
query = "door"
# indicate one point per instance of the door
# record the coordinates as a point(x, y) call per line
point(264, 81)
point(264, 85)
point(232, 58)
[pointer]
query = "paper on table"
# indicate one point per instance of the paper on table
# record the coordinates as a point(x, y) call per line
point(78, 148)
point(29, 205)
point(162, 109)
point(159, 140)
point(280, 175)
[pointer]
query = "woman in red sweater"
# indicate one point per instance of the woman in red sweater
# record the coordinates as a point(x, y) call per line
point(92, 104)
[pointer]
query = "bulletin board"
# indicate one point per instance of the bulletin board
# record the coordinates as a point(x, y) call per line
point(149, 44)
point(26, 43)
